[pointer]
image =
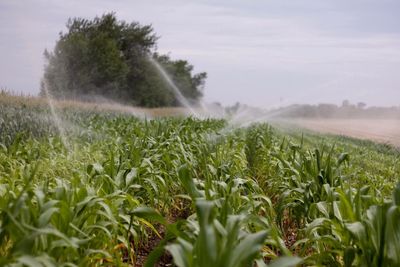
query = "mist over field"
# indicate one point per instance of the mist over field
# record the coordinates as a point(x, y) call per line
point(246, 62)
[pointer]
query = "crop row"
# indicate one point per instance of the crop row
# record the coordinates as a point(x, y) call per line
point(120, 191)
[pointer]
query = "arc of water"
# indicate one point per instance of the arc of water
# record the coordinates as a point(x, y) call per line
point(175, 90)
point(56, 119)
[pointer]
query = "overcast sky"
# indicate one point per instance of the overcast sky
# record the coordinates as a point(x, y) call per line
point(263, 53)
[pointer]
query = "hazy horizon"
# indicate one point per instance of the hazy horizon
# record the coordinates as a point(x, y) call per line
point(263, 54)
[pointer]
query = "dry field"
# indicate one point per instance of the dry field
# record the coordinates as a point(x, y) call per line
point(383, 131)
point(33, 101)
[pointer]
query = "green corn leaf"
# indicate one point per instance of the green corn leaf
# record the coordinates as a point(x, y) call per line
point(149, 214)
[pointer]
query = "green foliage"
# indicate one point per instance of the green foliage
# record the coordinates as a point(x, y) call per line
point(108, 58)
point(250, 197)
point(214, 243)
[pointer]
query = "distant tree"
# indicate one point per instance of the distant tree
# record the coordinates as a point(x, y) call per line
point(217, 104)
point(345, 103)
point(326, 110)
point(233, 109)
point(361, 105)
point(109, 58)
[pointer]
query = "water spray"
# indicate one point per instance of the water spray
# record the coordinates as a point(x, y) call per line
point(175, 90)
point(56, 119)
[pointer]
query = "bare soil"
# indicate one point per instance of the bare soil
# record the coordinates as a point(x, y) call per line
point(378, 130)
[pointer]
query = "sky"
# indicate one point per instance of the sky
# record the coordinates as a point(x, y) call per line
point(262, 53)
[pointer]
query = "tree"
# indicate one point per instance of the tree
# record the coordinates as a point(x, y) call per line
point(181, 72)
point(345, 103)
point(109, 58)
point(361, 105)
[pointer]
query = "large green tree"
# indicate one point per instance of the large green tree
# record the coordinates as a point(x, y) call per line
point(110, 58)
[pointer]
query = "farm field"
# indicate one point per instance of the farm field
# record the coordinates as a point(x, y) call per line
point(103, 105)
point(379, 130)
point(105, 188)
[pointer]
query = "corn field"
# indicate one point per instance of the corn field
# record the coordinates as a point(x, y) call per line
point(190, 193)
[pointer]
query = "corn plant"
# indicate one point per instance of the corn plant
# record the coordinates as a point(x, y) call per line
point(190, 192)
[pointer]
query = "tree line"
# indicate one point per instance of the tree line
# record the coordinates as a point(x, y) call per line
point(346, 110)
point(107, 57)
